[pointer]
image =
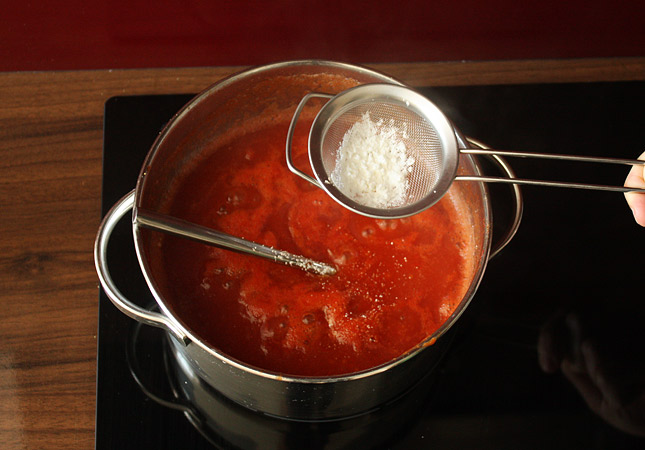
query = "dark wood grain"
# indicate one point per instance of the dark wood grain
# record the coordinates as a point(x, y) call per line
point(50, 187)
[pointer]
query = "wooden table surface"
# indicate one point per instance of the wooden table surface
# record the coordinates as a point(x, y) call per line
point(50, 190)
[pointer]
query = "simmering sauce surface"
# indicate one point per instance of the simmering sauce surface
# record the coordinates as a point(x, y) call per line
point(397, 280)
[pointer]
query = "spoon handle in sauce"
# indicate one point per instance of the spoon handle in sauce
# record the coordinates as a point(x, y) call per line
point(199, 233)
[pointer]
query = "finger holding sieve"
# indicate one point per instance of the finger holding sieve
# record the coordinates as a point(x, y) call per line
point(636, 177)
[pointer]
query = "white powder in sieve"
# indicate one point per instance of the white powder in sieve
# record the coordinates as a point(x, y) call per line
point(372, 164)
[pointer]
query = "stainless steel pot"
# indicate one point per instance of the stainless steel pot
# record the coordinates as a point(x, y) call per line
point(261, 94)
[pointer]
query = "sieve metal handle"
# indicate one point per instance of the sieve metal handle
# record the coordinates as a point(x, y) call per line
point(501, 163)
point(563, 184)
point(292, 128)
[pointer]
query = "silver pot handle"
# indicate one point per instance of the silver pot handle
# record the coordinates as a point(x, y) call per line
point(517, 195)
point(120, 301)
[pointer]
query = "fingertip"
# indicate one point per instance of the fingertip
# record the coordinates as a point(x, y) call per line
point(551, 343)
point(636, 202)
point(639, 213)
point(548, 363)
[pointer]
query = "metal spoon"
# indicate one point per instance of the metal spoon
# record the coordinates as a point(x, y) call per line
point(199, 233)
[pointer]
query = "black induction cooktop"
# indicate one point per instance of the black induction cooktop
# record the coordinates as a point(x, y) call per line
point(574, 249)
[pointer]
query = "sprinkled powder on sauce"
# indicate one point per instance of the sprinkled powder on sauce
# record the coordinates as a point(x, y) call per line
point(372, 165)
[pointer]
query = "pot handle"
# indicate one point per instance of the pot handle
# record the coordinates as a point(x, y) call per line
point(518, 200)
point(118, 299)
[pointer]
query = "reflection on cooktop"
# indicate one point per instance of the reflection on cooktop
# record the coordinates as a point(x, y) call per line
point(577, 254)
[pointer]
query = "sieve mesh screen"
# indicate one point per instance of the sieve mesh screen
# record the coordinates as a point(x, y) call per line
point(420, 138)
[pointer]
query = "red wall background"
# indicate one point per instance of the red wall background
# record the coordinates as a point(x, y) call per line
point(86, 34)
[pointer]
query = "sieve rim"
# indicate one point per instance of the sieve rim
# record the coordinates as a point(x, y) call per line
point(401, 96)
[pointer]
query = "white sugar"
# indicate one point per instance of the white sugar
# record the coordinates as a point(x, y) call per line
point(372, 164)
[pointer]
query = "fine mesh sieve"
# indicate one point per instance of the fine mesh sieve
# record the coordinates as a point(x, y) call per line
point(428, 136)
point(429, 140)
point(418, 135)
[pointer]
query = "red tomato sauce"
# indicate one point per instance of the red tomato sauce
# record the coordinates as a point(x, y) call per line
point(397, 280)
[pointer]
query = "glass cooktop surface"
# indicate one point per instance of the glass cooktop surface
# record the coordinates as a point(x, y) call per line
point(575, 249)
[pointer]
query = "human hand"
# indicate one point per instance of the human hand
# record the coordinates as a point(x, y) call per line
point(599, 349)
point(635, 200)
